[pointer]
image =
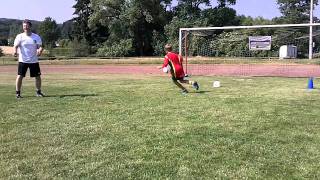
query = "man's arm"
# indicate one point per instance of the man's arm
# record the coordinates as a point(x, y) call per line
point(39, 50)
point(165, 63)
point(16, 45)
point(15, 51)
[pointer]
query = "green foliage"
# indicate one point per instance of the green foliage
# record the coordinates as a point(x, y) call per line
point(62, 51)
point(64, 43)
point(66, 30)
point(120, 49)
point(149, 24)
point(94, 33)
point(134, 20)
point(197, 17)
point(295, 11)
point(80, 26)
point(159, 40)
point(193, 9)
point(172, 30)
point(219, 16)
point(49, 32)
point(15, 29)
point(80, 48)
point(7, 26)
point(3, 42)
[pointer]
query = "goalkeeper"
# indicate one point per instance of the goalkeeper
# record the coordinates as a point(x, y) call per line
point(174, 61)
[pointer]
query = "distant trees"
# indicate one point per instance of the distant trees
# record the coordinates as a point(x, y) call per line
point(134, 21)
point(188, 13)
point(67, 30)
point(3, 42)
point(295, 11)
point(49, 32)
point(15, 29)
point(143, 27)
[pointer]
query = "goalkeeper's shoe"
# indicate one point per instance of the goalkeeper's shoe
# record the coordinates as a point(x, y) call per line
point(195, 85)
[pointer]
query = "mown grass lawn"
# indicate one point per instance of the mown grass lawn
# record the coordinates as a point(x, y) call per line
point(136, 127)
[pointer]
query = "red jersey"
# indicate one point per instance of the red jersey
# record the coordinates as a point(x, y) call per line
point(175, 62)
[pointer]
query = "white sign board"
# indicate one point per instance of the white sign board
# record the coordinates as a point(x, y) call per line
point(260, 42)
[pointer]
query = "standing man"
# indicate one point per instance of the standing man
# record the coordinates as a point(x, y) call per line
point(29, 46)
point(174, 61)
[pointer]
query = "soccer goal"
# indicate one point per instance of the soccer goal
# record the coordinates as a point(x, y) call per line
point(265, 50)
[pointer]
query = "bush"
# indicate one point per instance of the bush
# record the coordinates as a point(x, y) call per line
point(118, 49)
point(64, 43)
point(3, 42)
point(61, 52)
point(80, 48)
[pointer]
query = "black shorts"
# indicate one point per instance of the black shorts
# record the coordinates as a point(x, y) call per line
point(34, 69)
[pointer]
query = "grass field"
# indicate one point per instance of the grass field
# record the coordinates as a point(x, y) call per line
point(136, 127)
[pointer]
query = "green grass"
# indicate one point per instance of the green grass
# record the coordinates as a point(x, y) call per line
point(124, 127)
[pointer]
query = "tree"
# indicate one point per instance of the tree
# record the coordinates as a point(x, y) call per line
point(295, 11)
point(135, 19)
point(93, 35)
point(83, 12)
point(193, 8)
point(49, 32)
point(189, 13)
point(14, 30)
point(66, 30)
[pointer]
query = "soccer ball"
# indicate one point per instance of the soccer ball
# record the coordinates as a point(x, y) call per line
point(166, 69)
point(216, 84)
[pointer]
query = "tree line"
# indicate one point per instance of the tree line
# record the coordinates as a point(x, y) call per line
point(142, 27)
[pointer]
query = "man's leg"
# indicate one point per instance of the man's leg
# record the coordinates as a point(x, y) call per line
point(36, 72)
point(38, 82)
point(22, 70)
point(18, 86)
point(186, 82)
point(193, 83)
point(184, 90)
point(38, 86)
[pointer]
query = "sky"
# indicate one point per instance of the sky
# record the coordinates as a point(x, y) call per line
point(61, 10)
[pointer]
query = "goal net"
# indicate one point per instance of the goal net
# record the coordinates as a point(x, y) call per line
point(267, 50)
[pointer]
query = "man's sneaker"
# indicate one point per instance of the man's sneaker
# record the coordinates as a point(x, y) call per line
point(18, 96)
point(195, 85)
point(40, 94)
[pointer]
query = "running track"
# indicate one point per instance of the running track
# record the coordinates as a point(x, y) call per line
point(286, 70)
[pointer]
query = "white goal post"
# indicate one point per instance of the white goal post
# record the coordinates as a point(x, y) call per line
point(187, 30)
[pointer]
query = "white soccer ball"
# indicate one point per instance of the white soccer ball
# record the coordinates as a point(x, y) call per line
point(216, 84)
point(166, 69)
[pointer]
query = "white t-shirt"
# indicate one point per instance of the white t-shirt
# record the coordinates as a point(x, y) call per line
point(28, 46)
